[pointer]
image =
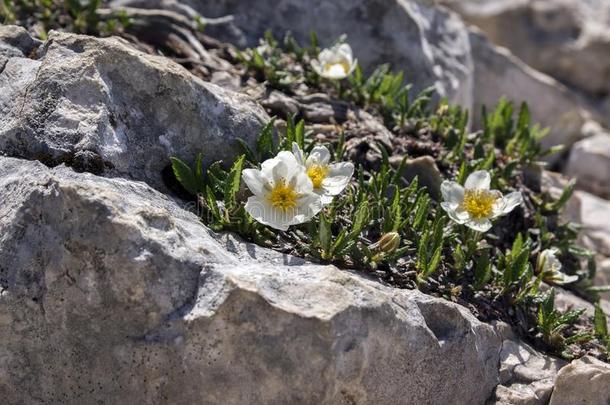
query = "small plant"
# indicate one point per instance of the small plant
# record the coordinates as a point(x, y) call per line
point(473, 244)
point(80, 16)
point(551, 323)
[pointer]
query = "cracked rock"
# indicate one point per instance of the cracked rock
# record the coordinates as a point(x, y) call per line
point(127, 109)
point(113, 293)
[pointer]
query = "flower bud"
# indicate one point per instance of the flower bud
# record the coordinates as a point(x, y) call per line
point(388, 242)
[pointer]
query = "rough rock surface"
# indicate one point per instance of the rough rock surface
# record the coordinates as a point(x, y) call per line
point(589, 162)
point(101, 106)
point(567, 39)
point(584, 382)
point(594, 215)
point(429, 44)
point(15, 41)
point(498, 74)
point(111, 292)
point(526, 377)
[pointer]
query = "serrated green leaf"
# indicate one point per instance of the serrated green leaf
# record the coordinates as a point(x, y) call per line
point(233, 182)
point(600, 323)
point(324, 236)
point(264, 144)
point(185, 175)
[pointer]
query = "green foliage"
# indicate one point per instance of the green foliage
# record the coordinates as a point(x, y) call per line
point(551, 322)
point(80, 16)
point(387, 226)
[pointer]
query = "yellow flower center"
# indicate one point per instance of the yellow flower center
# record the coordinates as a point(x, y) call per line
point(317, 174)
point(283, 196)
point(479, 203)
point(340, 68)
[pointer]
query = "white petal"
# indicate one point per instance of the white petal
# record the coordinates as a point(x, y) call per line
point(307, 207)
point(511, 201)
point(325, 56)
point(316, 66)
point(562, 278)
point(267, 168)
point(285, 168)
point(318, 156)
point(479, 180)
point(280, 172)
point(339, 176)
point(298, 154)
point(452, 192)
point(264, 213)
point(454, 213)
point(481, 225)
point(302, 183)
point(352, 67)
point(325, 198)
point(254, 180)
point(336, 72)
point(345, 51)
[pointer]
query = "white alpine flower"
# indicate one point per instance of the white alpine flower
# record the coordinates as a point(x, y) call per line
point(549, 265)
point(283, 194)
point(475, 205)
point(328, 179)
point(335, 63)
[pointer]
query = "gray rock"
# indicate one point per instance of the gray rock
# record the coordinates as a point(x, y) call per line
point(569, 40)
point(526, 376)
point(15, 41)
point(589, 162)
point(594, 215)
point(585, 381)
point(106, 107)
point(429, 44)
point(113, 293)
point(497, 73)
point(426, 171)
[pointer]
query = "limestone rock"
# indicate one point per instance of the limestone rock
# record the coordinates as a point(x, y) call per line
point(429, 44)
point(102, 106)
point(497, 73)
point(589, 162)
point(569, 40)
point(426, 171)
point(111, 292)
point(526, 376)
point(594, 215)
point(15, 41)
point(585, 381)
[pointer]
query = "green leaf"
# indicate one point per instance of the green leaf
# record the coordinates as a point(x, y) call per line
point(434, 261)
point(324, 236)
point(212, 204)
point(422, 253)
point(247, 151)
point(565, 196)
point(360, 219)
point(482, 271)
point(264, 145)
point(600, 322)
point(233, 181)
point(199, 171)
point(599, 289)
point(299, 134)
point(185, 175)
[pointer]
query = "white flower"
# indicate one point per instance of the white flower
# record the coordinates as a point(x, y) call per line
point(335, 63)
point(475, 205)
point(283, 194)
point(328, 179)
point(549, 265)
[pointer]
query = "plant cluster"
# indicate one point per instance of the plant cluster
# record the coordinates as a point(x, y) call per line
point(493, 241)
point(80, 16)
